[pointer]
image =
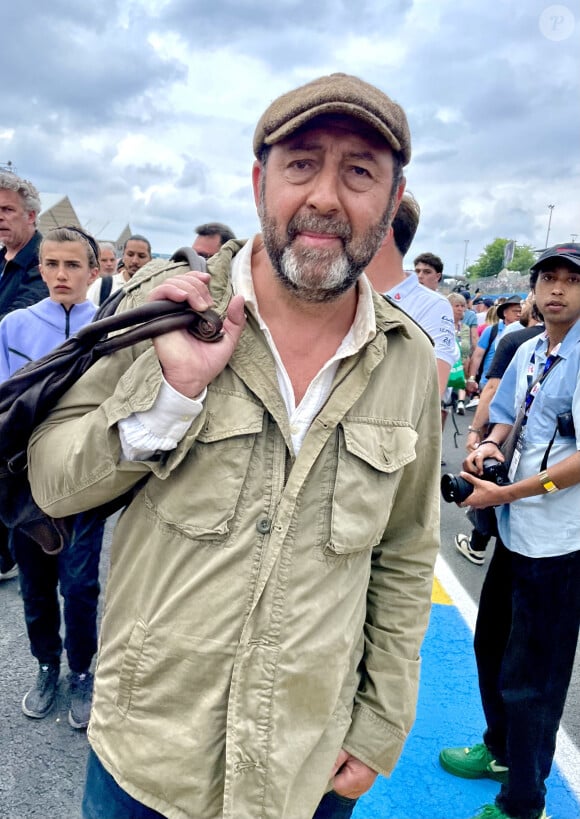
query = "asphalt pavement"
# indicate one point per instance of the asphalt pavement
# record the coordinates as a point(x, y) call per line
point(42, 762)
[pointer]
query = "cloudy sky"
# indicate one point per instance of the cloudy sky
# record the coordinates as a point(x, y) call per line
point(143, 111)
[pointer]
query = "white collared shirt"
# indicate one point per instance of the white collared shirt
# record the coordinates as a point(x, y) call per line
point(432, 311)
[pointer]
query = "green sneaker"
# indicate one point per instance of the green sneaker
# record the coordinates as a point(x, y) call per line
point(473, 763)
point(493, 812)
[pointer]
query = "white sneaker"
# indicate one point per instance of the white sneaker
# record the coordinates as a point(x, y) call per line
point(473, 403)
point(13, 572)
point(460, 409)
point(462, 545)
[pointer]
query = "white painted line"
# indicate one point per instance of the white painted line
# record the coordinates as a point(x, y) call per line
point(566, 757)
point(465, 605)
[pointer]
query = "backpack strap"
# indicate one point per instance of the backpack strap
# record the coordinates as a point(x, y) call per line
point(492, 336)
point(106, 287)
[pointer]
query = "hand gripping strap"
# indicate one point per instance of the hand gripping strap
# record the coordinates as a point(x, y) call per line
point(147, 321)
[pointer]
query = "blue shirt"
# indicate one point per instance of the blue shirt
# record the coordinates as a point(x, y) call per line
point(470, 318)
point(485, 345)
point(30, 333)
point(544, 525)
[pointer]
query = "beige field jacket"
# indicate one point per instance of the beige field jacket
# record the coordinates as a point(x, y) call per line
point(262, 610)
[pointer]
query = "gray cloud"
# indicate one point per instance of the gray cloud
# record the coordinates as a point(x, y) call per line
point(144, 112)
point(281, 33)
point(86, 67)
point(194, 175)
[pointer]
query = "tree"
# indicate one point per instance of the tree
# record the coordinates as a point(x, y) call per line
point(524, 258)
point(490, 262)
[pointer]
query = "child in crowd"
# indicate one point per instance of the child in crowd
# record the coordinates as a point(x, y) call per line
point(69, 262)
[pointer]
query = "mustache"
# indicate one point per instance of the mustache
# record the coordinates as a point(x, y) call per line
point(317, 224)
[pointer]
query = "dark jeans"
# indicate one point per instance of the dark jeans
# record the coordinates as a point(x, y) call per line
point(479, 542)
point(484, 527)
point(6, 558)
point(334, 806)
point(104, 799)
point(76, 569)
point(525, 642)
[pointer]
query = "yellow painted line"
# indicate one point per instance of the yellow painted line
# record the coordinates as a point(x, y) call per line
point(439, 595)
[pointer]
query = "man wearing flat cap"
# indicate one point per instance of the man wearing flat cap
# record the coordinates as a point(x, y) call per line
point(270, 581)
point(529, 611)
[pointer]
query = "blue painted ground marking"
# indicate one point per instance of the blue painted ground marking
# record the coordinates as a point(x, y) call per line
point(449, 713)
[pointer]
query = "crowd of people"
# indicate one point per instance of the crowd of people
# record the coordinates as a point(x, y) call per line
point(271, 575)
point(50, 287)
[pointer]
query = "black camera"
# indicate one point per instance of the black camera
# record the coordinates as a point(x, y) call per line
point(456, 489)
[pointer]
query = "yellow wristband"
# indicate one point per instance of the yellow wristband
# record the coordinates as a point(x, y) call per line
point(547, 483)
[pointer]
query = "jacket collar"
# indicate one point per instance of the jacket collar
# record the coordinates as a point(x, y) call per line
point(389, 316)
point(27, 256)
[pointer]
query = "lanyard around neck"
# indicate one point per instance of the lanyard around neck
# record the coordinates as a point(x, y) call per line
point(534, 386)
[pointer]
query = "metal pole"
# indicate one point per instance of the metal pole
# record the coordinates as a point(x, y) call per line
point(551, 208)
point(465, 255)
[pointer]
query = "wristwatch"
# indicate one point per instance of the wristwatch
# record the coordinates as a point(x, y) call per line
point(546, 482)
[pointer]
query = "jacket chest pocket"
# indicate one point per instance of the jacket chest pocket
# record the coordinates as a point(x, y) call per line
point(200, 498)
point(370, 460)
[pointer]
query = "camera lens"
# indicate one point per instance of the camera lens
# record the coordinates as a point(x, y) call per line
point(455, 489)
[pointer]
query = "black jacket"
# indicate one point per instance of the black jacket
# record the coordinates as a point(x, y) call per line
point(20, 283)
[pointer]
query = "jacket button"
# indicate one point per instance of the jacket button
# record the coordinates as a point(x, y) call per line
point(264, 525)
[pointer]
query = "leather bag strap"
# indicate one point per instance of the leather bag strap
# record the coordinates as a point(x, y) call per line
point(147, 321)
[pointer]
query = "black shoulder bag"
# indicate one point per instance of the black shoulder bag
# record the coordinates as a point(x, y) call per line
point(27, 397)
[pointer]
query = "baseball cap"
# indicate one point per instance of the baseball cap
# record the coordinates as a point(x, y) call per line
point(569, 251)
point(335, 94)
point(466, 295)
point(487, 300)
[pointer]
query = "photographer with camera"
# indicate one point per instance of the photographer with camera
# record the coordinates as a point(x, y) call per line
point(473, 546)
point(529, 612)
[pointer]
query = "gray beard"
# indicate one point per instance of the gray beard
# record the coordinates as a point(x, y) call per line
point(319, 276)
point(338, 274)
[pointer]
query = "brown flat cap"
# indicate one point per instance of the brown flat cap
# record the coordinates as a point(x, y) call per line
point(335, 94)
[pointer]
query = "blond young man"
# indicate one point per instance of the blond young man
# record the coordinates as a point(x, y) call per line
point(69, 262)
